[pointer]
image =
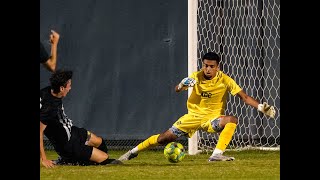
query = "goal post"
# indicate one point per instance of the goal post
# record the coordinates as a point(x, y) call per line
point(246, 34)
point(192, 61)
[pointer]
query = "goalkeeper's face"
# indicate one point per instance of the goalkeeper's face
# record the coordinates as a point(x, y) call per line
point(210, 68)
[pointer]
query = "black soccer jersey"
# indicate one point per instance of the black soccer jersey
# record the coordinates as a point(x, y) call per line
point(44, 56)
point(52, 114)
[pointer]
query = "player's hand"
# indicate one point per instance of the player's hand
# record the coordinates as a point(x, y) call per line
point(186, 82)
point(54, 37)
point(267, 109)
point(47, 163)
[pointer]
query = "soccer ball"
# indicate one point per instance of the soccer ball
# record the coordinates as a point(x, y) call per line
point(174, 152)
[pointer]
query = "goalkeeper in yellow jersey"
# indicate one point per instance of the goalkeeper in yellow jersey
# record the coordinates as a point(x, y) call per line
point(206, 108)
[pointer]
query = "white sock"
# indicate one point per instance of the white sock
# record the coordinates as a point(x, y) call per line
point(216, 152)
point(134, 150)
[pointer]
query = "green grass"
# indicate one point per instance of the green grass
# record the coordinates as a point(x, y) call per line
point(251, 164)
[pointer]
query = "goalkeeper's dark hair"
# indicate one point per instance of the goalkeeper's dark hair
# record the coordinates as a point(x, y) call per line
point(211, 56)
point(60, 78)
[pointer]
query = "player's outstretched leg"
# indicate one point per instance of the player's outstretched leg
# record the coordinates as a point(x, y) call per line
point(224, 139)
point(150, 142)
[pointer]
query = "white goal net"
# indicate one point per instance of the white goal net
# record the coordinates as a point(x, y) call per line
point(246, 34)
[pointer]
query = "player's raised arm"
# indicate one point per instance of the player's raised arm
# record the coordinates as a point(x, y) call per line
point(184, 84)
point(51, 63)
point(264, 107)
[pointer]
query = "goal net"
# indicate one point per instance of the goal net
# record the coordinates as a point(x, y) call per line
point(246, 34)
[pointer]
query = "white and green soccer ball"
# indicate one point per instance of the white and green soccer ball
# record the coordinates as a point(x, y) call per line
point(174, 152)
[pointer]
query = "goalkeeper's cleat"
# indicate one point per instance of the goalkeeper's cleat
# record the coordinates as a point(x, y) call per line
point(220, 157)
point(127, 156)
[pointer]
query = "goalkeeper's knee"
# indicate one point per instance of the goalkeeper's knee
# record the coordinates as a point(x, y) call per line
point(166, 138)
point(233, 119)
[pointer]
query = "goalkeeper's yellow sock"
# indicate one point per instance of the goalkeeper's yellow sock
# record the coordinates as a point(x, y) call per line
point(225, 138)
point(150, 142)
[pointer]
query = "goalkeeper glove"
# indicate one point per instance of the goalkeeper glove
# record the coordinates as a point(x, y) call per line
point(267, 109)
point(186, 82)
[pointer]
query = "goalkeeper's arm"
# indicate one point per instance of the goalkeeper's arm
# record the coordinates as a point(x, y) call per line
point(264, 107)
point(184, 84)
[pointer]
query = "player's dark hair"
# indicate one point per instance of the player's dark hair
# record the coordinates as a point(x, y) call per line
point(211, 56)
point(60, 78)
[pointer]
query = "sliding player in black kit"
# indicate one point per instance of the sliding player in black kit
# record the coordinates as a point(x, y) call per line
point(74, 145)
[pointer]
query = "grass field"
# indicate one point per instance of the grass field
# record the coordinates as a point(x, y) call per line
point(253, 164)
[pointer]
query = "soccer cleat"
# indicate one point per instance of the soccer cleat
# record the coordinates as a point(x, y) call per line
point(220, 157)
point(116, 161)
point(127, 156)
point(59, 161)
point(62, 161)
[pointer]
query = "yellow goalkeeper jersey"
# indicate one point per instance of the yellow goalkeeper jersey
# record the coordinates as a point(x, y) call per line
point(209, 97)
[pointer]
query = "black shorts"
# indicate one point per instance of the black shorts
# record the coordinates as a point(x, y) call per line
point(76, 149)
